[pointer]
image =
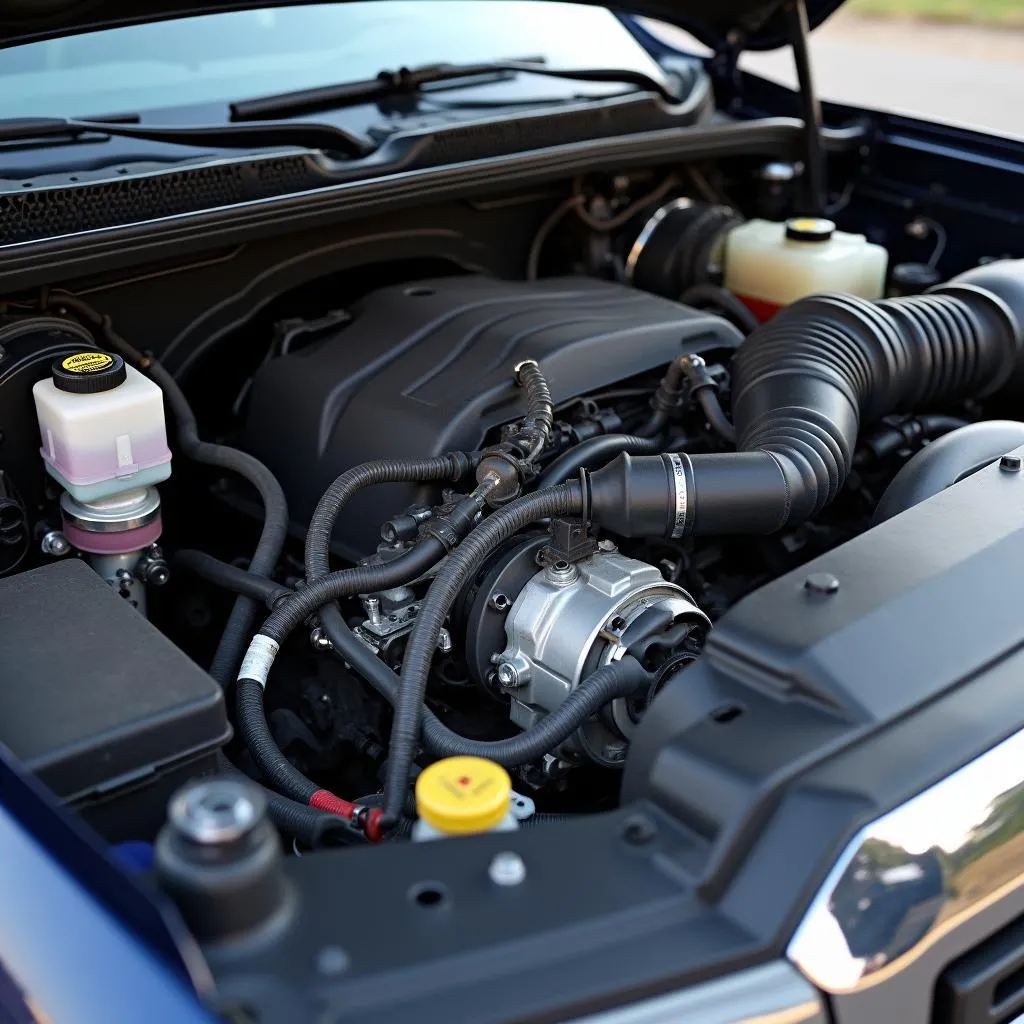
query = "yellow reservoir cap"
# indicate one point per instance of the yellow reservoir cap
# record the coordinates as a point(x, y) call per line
point(463, 795)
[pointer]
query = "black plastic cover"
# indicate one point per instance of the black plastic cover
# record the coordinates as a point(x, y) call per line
point(427, 368)
point(93, 698)
point(921, 610)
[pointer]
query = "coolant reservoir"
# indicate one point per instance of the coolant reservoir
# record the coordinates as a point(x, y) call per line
point(102, 426)
point(461, 796)
point(769, 265)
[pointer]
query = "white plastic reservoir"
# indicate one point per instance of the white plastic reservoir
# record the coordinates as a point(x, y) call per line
point(102, 426)
point(770, 264)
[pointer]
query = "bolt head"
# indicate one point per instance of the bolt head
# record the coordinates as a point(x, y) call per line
point(821, 583)
point(507, 869)
point(918, 229)
point(638, 830)
point(332, 960)
point(55, 543)
point(561, 573)
point(216, 811)
point(158, 574)
point(1010, 463)
point(319, 639)
point(607, 546)
point(507, 675)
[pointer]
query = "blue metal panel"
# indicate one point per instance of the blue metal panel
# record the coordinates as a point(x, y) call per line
point(80, 941)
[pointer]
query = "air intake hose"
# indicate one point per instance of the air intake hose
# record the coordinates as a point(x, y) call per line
point(802, 386)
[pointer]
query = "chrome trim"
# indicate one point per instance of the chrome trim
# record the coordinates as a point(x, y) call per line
point(128, 511)
point(648, 229)
point(770, 994)
point(917, 888)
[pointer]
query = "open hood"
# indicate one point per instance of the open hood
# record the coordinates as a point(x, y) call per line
point(760, 22)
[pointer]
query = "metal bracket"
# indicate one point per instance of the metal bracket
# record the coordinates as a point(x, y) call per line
point(725, 71)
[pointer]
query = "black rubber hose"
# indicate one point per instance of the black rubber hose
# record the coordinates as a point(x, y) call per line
point(310, 826)
point(230, 577)
point(716, 418)
point(946, 461)
point(279, 772)
point(665, 399)
point(595, 451)
point(275, 518)
point(619, 679)
point(565, 499)
point(362, 579)
point(703, 295)
point(802, 385)
point(451, 467)
point(890, 438)
point(591, 695)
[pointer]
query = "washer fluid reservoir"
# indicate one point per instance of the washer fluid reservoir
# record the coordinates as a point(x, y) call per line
point(460, 796)
point(769, 264)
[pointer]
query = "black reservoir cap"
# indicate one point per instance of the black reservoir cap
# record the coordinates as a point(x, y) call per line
point(88, 372)
point(810, 229)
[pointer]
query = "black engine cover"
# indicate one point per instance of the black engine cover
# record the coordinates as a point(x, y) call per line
point(427, 368)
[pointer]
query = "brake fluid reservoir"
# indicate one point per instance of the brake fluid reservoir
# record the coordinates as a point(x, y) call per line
point(460, 796)
point(769, 265)
point(102, 426)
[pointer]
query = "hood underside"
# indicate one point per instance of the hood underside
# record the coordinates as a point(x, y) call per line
point(761, 23)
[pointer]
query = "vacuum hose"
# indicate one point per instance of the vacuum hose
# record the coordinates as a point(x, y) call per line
point(802, 386)
point(275, 518)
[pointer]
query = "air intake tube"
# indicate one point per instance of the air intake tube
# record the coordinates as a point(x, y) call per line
point(802, 386)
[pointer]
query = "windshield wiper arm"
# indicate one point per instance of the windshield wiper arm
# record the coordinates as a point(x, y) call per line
point(222, 136)
point(411, 80)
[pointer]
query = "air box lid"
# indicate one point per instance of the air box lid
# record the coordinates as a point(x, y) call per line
point(92, 695)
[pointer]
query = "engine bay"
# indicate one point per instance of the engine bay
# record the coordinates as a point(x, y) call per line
point(416, 551)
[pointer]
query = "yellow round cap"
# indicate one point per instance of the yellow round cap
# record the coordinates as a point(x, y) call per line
point(462, 795)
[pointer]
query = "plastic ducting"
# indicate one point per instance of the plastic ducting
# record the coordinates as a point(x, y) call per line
point(802, 386)
point(948, 461)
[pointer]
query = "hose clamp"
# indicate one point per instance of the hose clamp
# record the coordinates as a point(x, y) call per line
point(440, 529)
point(678, 470)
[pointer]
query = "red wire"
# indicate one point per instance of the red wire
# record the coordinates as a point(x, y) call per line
point(324, 800)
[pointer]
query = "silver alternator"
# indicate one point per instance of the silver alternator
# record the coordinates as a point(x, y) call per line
point(571, 619)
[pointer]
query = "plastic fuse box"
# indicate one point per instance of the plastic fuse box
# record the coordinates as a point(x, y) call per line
point(99, 704)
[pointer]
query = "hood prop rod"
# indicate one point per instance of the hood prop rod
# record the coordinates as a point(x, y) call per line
point(814, 154)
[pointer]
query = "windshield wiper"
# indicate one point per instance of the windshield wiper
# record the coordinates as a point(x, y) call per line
point(306, 134)
point(411, 80)
point(263, 131)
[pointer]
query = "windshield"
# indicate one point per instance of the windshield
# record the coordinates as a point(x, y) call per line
point(219, 58)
